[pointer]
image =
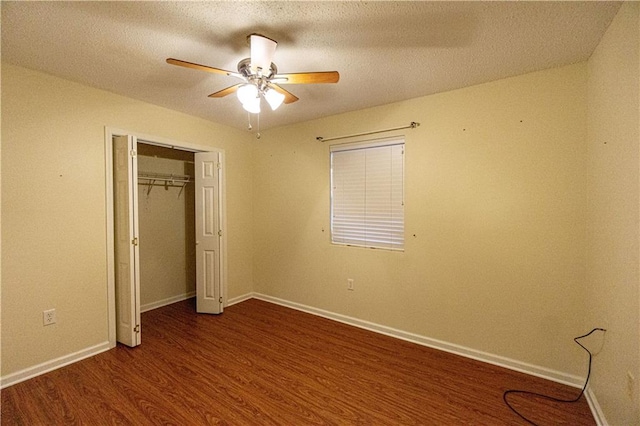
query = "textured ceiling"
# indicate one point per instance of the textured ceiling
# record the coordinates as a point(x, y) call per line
point(384, 51)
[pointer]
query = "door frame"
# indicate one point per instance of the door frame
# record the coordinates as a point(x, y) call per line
point(109, 133)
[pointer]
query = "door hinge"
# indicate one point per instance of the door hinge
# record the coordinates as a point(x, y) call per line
point(136, 329)
point(135, 241)
point(219, 166)
point(133, 152)
point(220, 233)
point(220, 300)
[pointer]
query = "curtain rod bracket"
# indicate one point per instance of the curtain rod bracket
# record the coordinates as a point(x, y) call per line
point(411, 125)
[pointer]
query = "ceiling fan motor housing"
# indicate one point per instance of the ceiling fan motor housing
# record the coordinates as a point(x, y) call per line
point(244, 68)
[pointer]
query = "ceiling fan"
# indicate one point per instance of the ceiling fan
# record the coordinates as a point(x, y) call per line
point(260, 77)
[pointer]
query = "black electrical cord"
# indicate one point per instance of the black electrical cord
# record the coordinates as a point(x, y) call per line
point(551, 398)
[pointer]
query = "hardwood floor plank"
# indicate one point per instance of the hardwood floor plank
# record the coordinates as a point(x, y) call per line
point(264, 364)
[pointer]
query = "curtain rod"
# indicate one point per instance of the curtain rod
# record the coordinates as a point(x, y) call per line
point(412, 125)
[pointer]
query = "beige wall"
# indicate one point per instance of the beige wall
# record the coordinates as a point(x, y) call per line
point(495, 222)
point(613, 278)
point(166, 217)
point(53, 208)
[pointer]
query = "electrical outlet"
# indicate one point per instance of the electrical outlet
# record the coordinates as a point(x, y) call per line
point(350, 284)
point(630, 384)
point(49, 317)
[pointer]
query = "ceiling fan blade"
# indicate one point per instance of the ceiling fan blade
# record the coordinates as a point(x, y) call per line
point(200, 67)
point(289, 97)
point(309, 77)
point(262, 50)
point(225, 92)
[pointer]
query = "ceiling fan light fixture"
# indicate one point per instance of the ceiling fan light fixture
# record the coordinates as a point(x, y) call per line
point(252, 106)
point(262, 50)
point(274, 98)
point(247, 93)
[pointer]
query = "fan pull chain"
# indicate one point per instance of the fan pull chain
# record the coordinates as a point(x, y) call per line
point(250, 127)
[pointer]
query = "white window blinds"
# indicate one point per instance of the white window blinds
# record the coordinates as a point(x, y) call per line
point(367, 194)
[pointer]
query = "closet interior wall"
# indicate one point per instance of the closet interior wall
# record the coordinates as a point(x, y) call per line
point(167, 228)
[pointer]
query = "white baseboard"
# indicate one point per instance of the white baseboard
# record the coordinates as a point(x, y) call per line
point(239, 299)
point(45, 367)
point(596, 410)
point(511, 364)
point(164, 302)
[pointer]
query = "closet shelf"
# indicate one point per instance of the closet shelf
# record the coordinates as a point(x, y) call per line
point(163, 179)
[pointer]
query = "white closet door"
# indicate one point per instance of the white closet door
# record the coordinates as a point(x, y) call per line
point(127, 254)
point(208, 233)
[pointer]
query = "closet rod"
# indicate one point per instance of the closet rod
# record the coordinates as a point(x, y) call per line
point(411, 125)
point(175, 180)
point(168, 179)
point(165, 177)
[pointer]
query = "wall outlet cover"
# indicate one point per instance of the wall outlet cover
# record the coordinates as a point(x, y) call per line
point(49, 317)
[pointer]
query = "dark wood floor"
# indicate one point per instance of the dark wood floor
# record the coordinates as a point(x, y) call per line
point(263, 364)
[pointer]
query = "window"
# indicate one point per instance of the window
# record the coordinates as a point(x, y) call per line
point(367, 194)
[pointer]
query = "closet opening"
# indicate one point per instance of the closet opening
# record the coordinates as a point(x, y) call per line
point(165, 227)
point(166, 217)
